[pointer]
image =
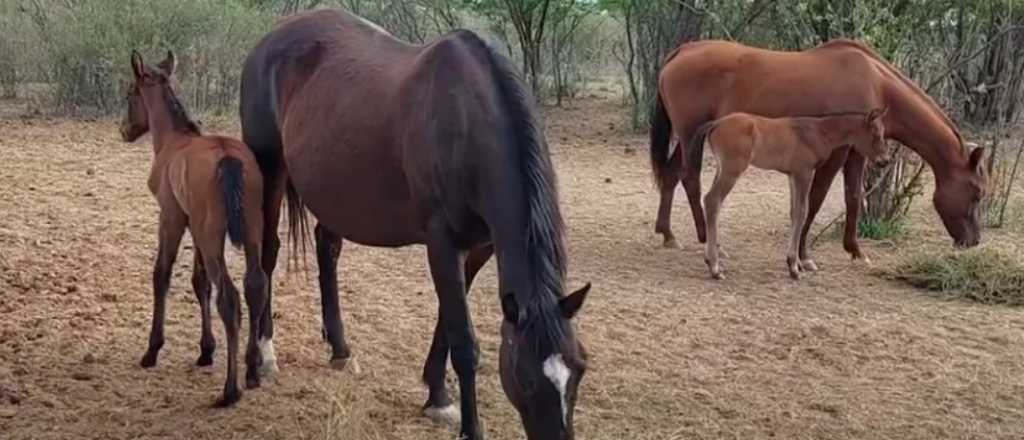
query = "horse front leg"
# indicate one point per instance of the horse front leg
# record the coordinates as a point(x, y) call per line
point(823, 177)
point(853, 180)
point(446, 268)
point(439, 406)
point(799, 188)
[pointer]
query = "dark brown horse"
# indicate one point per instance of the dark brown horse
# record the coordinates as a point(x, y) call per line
point(706, 80)
point(390, 144)
point(212, 186)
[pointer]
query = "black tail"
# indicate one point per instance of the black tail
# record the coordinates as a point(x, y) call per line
point(696, 147)
point(298, 225)
point(232, 184)
point(661, 136)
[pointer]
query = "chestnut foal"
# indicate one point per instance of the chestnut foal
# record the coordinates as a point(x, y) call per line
point(212, 186)
point(793, 146)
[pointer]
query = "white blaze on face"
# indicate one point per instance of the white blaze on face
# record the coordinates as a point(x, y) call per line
point(558, 374)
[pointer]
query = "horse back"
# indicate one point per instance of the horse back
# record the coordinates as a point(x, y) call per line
point(715, 78)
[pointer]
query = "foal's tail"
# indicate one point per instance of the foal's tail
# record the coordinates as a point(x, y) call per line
point(661, 136)
point(696, 148)
point(232, 184)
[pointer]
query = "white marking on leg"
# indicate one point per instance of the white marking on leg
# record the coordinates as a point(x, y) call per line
point(269, 358)
point(558, 374)
point(447, 414)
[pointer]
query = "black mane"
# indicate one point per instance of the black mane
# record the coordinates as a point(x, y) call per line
point(179, 117)
point(542, 319)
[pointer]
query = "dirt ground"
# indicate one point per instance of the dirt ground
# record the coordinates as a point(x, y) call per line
point(839, 355)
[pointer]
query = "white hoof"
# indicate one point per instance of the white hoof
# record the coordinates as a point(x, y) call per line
point(862, 260)
point(268, 367)
point(808, 266)
point(448, 415)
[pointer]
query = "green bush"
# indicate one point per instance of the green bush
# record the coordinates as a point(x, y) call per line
point(86, 47)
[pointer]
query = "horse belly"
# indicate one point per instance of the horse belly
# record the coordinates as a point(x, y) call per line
point(365, 203)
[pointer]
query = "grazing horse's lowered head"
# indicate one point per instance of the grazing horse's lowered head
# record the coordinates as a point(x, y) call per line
point(541, 372)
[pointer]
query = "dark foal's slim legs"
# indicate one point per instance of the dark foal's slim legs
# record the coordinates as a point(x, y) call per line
point(201, 288)
point(172, 227)
point(228, 301)
point(328, 250)
point(255, 285)
point(446, 268)
point(438, 406)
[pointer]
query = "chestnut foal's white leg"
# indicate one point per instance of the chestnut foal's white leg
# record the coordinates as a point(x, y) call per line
point(725, 178)
point(799, 192)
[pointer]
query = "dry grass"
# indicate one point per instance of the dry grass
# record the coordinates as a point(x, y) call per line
point(987, 275)
point(839, 355)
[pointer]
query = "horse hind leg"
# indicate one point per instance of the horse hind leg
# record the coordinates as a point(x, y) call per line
point(328, 252)
point(172, 228)
point(255, 287)
point(228, 301)
point(201, 287)
point(725, 179)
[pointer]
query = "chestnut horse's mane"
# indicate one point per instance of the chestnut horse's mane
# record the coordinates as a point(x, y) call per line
point(910, 85)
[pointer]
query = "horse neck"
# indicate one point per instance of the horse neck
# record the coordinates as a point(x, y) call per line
point(161, 121)
point(922, 127)
point(837, 131)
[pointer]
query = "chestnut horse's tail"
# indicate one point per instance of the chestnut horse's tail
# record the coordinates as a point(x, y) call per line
point(232, 184)
point(661, 136)
point(696, 148)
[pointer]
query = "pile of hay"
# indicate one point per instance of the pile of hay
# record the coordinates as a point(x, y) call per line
point(986, 275)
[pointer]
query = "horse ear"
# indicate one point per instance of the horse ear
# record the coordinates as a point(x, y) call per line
point(572, 303)
point(510, 308)
point(168, 64)
point(977, 162)
point(138, 67)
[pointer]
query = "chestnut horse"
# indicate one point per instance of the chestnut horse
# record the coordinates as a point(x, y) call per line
point(212, 186)
point(792, 146)
point(390, 144)
point(706, 80)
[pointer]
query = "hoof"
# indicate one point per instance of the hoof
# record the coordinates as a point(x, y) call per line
point(862, 259)
point(252, 380)
point(228, 399)
point(148, 361)
point(794, 273)
point(268, 366)
point(348, 364)
point(670, 243)
point(204, 360)
point(448, 415)
point(808, 266)
point(717, 275)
